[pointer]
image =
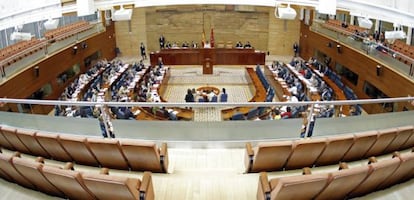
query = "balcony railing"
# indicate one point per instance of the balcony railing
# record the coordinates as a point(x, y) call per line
point(208, 131)
point(14, 64)
point(366, 46)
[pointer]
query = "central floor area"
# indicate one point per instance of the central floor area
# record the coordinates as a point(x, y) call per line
point(232, 78)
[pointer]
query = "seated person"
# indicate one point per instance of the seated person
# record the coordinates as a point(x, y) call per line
point(276, 115)
point(210, 95)
point(239, 45)
point(127, 113)
point(287, 114)
point(247, 45)
point(172, 114)
point(207, 44)
point(189, 97)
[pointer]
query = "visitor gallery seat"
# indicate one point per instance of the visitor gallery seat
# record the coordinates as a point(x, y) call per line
point(10, 134)
point(336, 147)
point(145, 156)
point(291, 187)
point(32, 170)
point(267, 156)
point(305, 152)
point(28, 138)
point(362, 143)
point(344, 181)
point(108, 152)
point(119, 187)
point(70, 182)
point(78, 149)
point(6, 165)
point(50, 143)
point(380, 172)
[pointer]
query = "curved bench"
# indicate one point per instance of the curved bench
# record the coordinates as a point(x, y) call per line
point(113, 153)
point(71, 184)
point(279, 155)
point(342, 184)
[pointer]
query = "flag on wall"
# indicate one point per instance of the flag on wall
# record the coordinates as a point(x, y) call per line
point(203, 39)
point(212, 38)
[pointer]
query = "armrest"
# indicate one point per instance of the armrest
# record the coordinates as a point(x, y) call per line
point(164, 157)
point(396, 154)
point(306, 171)
point(69, 166)
point(263, 190)
point(343, 165)
point(16, 154)
point(372, 159)
point(248, 159)
point(104, 171)
point(146, 190)
point(40, 160)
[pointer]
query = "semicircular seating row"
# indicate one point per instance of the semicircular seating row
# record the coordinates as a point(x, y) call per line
point(14, 52)
point(63, 30)
point(68, 183)
point(344, 183)
point(112, 153)
point(296, 154)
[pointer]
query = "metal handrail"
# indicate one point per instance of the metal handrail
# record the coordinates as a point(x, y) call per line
point(37, 46)
point(199, 105)
point(44, 43)
point(340, 30)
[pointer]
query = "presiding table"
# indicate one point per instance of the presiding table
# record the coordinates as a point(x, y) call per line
point(208, 57)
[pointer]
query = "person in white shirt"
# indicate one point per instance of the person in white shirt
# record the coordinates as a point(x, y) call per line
point(207, 45)
point(210, 95)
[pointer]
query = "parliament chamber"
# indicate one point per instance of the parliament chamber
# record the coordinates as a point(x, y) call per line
point(84, 115)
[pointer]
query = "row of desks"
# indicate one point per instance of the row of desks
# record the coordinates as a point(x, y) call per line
point(339, 93)
point(259, 96)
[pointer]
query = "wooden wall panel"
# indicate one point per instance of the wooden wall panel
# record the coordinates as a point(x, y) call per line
point(390, 82)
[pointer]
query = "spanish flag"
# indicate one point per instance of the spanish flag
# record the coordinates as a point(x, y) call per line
point(212, 38)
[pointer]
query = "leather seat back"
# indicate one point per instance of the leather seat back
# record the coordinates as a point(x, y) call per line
point(108, 152)
point(78, 149)
point(68, 181)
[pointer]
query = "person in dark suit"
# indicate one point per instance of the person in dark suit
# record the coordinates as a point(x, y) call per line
point(296, 49)
point(247, 45)
point(143, 52)
point(162, 42)
point(189, 97)
point(239, 45)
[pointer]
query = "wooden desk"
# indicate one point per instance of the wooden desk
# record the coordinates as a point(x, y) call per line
point(216, 56)
point(339, 93)
point(280, 86)
point(260, 96)
point(147, 114)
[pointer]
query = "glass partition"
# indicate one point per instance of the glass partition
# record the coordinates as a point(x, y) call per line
point(94, 119)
